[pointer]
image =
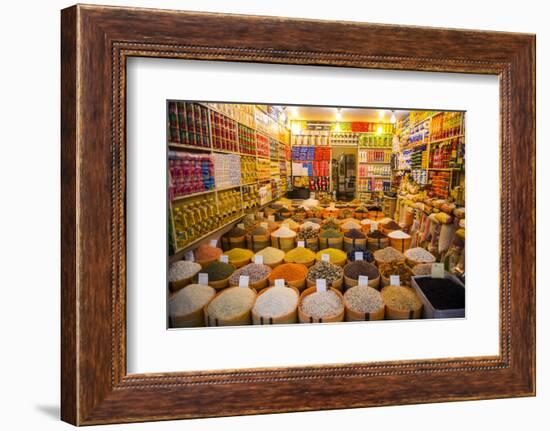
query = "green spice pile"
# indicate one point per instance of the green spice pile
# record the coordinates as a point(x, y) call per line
point(354, 269)
point(254, 271)
point(218, 271)
point(330, 233)
point(325, 270)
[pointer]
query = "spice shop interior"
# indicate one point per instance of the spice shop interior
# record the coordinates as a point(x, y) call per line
point(313, 214)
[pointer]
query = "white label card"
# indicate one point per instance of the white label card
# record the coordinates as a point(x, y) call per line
point(363, 280)
point(243, 281)
point(259, 259)
point(203, 278)
point(325, 258)
point(438, 270)
point(264, 225)
point(240, 225)
point(321, 285)
point(373, 227)
point(394, 280)
point(358, 255)
point(224, 258)
point(213, 243)
point(189, 256)
point(280, 282)
point(312, 195)
point(271, 218)
point(260, 214)
point(301, 244)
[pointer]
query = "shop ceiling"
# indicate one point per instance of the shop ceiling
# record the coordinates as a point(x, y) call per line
point(320, 113)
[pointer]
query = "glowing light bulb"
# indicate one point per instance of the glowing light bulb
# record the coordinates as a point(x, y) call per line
point(379, 130)
point(296, 128)
point(393, 119)
point(337, 128)
point(339, 114)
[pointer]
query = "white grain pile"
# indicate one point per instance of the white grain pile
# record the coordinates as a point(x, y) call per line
point(189, 299)
point(231, 303)
point(276, 302)
point(182, 269)
point(418, 254)
point(363, 299)
point(320, 305)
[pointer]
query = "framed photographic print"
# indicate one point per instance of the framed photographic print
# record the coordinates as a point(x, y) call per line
point(250, 216)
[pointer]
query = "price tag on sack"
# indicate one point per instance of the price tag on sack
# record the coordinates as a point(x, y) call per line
point(264, 225)
point(203, 278)
point(243, 281)
point(394, 280)
point(358, 255)
point(190, 256)
point(363, 280)
point(312, 195)
point(332, 206)
point(280, 282)
point(224, 258)
point(260, 214)
point(321, 285)
point(258, 259)
point(373, 227)
point(213, 243)
point(301, 244)
point(271, 218)
point(240, 225)
point(325, 258)
point(438, 270)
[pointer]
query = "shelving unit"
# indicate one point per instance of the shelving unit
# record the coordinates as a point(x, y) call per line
point(278, 183)
point(430, 144)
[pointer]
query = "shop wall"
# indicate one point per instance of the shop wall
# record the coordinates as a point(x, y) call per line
point(29, 220)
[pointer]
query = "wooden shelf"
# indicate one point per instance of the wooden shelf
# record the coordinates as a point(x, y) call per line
point(179, 198)
point(435, 141)
point(188, 147)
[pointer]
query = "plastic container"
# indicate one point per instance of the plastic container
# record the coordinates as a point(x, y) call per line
point(429, 311)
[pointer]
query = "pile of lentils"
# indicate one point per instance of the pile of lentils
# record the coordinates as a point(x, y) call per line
point(325, 270)
point(254, 271)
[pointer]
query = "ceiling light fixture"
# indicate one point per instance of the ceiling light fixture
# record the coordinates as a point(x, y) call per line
point(393, 119)
point(339, 114)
